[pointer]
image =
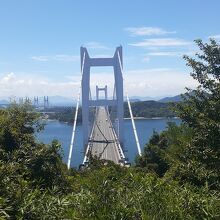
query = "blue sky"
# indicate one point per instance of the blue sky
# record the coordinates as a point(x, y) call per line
point(40, 41)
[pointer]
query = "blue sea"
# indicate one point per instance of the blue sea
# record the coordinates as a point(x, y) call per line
point(62, 132)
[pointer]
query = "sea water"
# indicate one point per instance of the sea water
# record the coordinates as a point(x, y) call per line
point(63, 131)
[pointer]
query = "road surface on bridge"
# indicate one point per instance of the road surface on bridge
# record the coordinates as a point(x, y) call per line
point(104, 143)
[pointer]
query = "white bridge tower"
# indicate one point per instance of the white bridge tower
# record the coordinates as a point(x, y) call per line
point(86, 63)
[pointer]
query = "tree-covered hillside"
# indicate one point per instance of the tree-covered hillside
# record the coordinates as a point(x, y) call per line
point(149, 109)
point(190, 152)
point(146, 109)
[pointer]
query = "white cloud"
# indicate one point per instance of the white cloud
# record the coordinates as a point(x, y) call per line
point(40, 58)
point(158, 42)
point(66, 58)
point(8, 77)
point(215, 36)
point(147, 31)
point(170, 53)
point(12, 84)
point(157, 82)
point(95, 45)
point(165, 54)
point(57, 57)
point(146, 59)
point(145, 82)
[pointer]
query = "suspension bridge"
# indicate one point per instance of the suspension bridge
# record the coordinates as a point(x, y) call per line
point(102, 118)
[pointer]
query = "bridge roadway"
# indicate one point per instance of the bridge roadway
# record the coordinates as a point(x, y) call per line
point(103, 141)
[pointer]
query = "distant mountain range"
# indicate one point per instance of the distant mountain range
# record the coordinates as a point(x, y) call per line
point(66, 101)
point(176, 98)
point(142, 98)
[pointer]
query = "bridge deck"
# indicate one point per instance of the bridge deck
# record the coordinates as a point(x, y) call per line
point(103, 141)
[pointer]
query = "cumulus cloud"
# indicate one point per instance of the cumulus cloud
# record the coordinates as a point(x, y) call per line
point(157, 82)
point(12, 84)
point(144, 82)
point(7, 78)
point(147, 31)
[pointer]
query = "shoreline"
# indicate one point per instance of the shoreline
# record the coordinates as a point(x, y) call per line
point(135, 118)
point(153, 118)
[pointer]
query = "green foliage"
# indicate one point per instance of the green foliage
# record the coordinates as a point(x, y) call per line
point(201, 112)
point(113, 192)
point(153, 156)
point(18, 124)
point(35, 184)
point(26, 165)
point(189, 153)
point(192, 150)
point(47, 204)
point(165, 149)
point(149, 109)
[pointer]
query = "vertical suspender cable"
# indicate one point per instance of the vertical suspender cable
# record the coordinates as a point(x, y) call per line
point(75, 120)
point(134, 127)
point(73, 134)
point(131, 114)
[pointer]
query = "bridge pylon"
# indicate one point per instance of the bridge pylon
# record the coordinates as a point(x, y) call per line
point(98, 89)
point(86, 63)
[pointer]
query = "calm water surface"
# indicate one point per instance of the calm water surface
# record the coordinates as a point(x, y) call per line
point(63, 132)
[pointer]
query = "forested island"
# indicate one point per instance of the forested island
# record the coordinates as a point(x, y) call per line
point(177, 176)
point(140, 109)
